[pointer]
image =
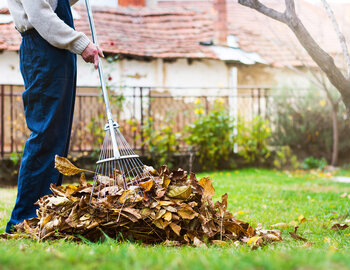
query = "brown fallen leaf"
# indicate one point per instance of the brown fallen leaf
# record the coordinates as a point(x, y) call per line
point(161, 224)
point(179, 192)
point(173, 208)
point(82, 180)
point(145, 212)
point(293, 223)
point(64, 166)
point(281, 225)
point(70, 189)
point(301, 219)
point(198, 243)
point(208, 189)
point(344, 195)
point(187, 213)
point(8, 236)
point(169, 243)
point(166, 203)
point(195, 184)
point(45, 220)
point(308, 244)
point(270, 237)
point(5, 236)
point(146, 186)
point(219, 243)
point(160, 214)
point(295, 236)
point(165, 181)
point(179, 176)
point(150, 169)
point(338, 227)
point(176, 228)
point(167, 216)
point(57, 201)
point(255, 242)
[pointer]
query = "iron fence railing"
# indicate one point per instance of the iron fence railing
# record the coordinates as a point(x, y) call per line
point(138, 105)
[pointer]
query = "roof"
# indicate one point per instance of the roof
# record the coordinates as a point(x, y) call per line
point(156, 33)
point(272, 40)
point(160, 33)
point(182, 32)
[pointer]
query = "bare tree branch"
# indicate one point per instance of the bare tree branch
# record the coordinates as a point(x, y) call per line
point(255, 4)
point(339, 34)
point(322, 58)
point(290, 7)
point(316, 79)
point(321, 83)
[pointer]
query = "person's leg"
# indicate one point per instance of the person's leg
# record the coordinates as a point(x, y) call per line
point(49, 76)
point(70, 112)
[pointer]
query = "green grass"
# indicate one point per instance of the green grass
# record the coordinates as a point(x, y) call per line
point(255, 195)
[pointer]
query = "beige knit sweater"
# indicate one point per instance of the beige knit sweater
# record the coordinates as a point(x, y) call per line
point(39, 14)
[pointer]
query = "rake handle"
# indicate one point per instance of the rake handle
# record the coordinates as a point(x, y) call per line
point(100, 68)
point(102, 81)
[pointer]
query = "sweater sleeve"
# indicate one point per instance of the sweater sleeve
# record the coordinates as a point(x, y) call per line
point(52, 28)
point(72, 2)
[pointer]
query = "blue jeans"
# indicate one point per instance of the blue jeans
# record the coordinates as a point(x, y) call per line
point(49, 77)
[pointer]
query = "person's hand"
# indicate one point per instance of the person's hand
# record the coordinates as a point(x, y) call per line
point(91, 53)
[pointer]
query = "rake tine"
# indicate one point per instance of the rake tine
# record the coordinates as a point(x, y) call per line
point(116, 154)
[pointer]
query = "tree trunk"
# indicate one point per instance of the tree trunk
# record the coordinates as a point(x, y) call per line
point(321, 58)
point(335, 135)
point(346, 100)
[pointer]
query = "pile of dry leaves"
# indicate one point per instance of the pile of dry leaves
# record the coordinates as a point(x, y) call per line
point(173, 207)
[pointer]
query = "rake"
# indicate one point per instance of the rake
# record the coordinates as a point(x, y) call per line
point(118, 165)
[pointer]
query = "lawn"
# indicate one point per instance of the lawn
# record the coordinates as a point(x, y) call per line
point(255, 195)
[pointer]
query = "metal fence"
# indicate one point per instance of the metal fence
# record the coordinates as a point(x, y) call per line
point(138, 105)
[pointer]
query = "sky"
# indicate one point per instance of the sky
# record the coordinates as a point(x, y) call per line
point(112, 3)
point(329, 1)
point(103, 2)
point(94, 2)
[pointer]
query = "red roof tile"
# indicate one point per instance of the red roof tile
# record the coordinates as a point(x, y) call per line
point(10, 39)
point(4, 11)
point(168, 32)
point(163, 33)
point(273, 40)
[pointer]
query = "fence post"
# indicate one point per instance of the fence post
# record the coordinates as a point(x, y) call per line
point(266, 104)
point(11, 118)
point(142, 120)
point(80, 122)
point(206, 105)
point(2, 126)
point(252, 101)
point(149, 103)
point(259, 100)
point(133, 114)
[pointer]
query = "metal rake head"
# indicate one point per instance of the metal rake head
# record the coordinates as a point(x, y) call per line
point(119, 170)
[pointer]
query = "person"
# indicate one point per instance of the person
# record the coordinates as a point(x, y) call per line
point(48, 66)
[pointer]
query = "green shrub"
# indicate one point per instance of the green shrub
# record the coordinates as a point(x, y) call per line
point(16, 157)
point(96, 128)
point(314, 163)
point(252, 139)
point(211, 136)
point(161, 143)
point(285, 159)
point(97, 123)
point(303, 121)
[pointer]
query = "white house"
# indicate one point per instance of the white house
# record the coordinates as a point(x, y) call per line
point(184, 48)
